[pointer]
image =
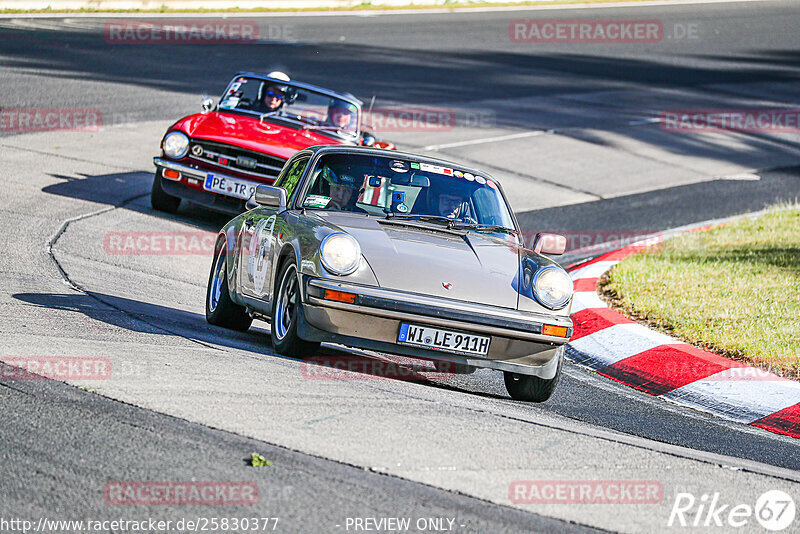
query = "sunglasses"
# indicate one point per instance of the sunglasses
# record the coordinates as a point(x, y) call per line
point(273, 94)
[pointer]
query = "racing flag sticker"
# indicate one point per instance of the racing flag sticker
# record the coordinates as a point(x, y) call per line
point(435, 168)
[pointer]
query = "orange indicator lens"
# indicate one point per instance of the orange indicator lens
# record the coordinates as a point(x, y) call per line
point(340, 296)
point(551, 330)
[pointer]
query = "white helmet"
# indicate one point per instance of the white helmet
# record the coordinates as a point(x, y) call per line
point(278, 75)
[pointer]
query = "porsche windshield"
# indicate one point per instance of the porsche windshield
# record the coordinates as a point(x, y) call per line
point(399, 188)
point(312, 110)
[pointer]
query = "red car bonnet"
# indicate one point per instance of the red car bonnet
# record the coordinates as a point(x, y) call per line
point(252, 134)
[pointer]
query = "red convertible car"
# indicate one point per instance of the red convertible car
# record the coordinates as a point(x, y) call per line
point(217, 158)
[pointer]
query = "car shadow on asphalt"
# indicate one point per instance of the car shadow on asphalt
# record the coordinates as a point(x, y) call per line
point(131, 191)
point(328, 363)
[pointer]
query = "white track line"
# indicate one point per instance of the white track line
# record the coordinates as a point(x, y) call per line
point(485, 140)
point(361, 13)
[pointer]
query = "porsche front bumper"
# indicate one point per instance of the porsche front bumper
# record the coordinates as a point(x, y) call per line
point(373, 322)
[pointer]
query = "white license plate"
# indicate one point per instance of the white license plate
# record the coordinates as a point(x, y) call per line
point(444, 340)
point(232, 187)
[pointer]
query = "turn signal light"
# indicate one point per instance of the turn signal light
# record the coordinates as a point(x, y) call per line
point(552, 330)
point(340, 296)
point(172, 175)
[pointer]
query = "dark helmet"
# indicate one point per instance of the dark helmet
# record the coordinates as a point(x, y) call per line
point(338, 104)
point(343, 179)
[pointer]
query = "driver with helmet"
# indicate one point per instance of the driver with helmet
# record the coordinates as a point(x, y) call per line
point(341, 114)
point(343, 191)
point(273, 96)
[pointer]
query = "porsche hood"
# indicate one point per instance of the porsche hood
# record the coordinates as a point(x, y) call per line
point(432, 261)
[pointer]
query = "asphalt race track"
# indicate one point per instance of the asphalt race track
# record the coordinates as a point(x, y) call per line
point(570, 130)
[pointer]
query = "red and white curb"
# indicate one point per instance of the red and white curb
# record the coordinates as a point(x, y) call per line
point(623, 350)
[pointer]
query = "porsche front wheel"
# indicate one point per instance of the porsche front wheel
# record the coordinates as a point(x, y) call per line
point(286, 309)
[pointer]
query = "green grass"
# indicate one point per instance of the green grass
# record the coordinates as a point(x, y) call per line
point(733, 289)
point(256, 460)
point(360, 7)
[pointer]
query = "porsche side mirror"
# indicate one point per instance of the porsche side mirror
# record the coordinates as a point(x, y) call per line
point(269, 197)
point(552, 244)
point(207, 104)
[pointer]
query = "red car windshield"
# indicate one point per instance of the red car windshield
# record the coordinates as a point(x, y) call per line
point(310, 109)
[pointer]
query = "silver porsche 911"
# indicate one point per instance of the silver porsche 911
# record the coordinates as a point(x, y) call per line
point(396, 253)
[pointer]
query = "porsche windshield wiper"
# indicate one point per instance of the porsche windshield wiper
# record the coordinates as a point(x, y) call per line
point(484, 227)
point(425, 218)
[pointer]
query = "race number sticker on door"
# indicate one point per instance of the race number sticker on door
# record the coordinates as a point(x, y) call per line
point(258, 259)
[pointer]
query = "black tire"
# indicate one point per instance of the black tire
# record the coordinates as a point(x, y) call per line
point(531, 388)
point(220, 309)
point(160, 200)
point(286, 310)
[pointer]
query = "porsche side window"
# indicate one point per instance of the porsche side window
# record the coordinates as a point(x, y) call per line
point(291, 177)
point(491, 208)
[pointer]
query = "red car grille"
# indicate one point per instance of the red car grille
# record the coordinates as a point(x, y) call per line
point(238, 159)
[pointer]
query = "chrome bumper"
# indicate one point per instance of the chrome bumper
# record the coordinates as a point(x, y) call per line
point(200, 174)
point(373, 323)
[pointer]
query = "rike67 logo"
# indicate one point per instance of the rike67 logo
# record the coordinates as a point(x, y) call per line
point(774, 510)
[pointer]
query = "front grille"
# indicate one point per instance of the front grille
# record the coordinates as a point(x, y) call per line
point(235, 158)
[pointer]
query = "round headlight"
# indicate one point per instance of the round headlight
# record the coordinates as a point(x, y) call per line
point(340, 253)
point(176, 145)
point(552, 287)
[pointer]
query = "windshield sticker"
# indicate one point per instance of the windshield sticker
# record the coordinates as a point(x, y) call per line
point(458, 174)
point(491, 184)
point(469, 176)
point(480, 179)
point(229, 102)
point(399, 166)
point(316, 201)
point(414, 165)
point(235, 87)
point(435, 168)
point(402, 208)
